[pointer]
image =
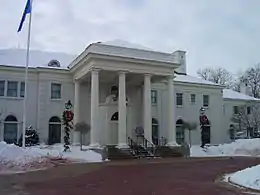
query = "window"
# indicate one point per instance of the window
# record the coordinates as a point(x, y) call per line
point(179, 99)
point(205, 100)
point(55, 91)
point(235, 109)
point(12, 88)
point(155, 131)
point(248, 110)
point(22, 89)
point(114, 117)
point(180, 133)
point(10, 129)
point(192, 98)
point(2, 88)
point(154, 96)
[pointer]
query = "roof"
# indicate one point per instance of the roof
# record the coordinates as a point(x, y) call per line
point(234, 95)
point(123, 49)
point(123, 43)
point(192, 79)
point(17, 57)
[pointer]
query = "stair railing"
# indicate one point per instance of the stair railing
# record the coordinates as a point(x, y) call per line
point(162, 141)
point(133, 145)
point(149, 146)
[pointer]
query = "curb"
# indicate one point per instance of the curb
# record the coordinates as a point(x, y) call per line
point(241, 186)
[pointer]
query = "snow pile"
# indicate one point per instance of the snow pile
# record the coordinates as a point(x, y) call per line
point(10, 153)
point(242, 147)
point(249, 177)
point(16, 159)
point(56, 151)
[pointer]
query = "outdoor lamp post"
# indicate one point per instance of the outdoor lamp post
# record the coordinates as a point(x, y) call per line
point(202, 111)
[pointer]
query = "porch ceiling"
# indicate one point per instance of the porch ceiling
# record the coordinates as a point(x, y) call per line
point(112, 77)
point(120, 64)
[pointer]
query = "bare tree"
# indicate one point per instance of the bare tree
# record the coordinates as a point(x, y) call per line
point(217, 75)
point(83, 128)
point(190, 127)
point(247, 117)
point(236, 85)
point(252, 78)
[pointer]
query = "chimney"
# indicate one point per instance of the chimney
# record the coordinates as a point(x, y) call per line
point(180, 56)
point(244, 87)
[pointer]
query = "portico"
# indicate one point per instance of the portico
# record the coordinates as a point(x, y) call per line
point(132, 79)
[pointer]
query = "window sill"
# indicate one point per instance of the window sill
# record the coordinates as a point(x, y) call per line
point(55, 100)
point(179, 106)
point(11, 98)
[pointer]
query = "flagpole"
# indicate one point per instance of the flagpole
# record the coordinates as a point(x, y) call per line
point(26, 75)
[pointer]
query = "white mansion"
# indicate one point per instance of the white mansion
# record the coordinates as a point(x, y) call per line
point(154, 92)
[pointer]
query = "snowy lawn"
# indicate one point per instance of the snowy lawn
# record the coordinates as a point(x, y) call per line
point(56, 151)
point(242, 147)
point(17, 159)
point(249, 177)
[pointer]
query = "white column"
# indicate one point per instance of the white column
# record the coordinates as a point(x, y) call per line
point(94, 132)
point(122, 135)
point(76, 135)
point(147, 108)
point(171, 113)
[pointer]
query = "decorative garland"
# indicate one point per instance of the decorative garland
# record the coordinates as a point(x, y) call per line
point(67, 116)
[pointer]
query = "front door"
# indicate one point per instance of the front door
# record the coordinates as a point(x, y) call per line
point(207, 134)
point(113, 130)
point(10, 133)
point(54, 133)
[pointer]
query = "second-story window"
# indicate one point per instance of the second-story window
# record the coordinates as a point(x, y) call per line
point(154, 97)
point(192, 98)
point(12, 88)
point(235, 110)
point(205, 100)
point(2, 88)
point(55, 91)
point(248, 110)
point(179, 99)
point(22, 89)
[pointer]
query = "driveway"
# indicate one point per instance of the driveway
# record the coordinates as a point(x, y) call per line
point(194, 176)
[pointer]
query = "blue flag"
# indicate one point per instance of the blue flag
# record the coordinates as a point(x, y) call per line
point(27, 10)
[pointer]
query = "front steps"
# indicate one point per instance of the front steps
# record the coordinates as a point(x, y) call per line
point(114, 153)
point(169, 151)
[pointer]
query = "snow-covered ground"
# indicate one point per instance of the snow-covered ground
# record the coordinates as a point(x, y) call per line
point(17, 159)
point(14, 158)
point(75, 154)
point(249, 177)
point(242, 147)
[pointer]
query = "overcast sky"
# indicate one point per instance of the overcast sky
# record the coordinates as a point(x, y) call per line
point(223, 33)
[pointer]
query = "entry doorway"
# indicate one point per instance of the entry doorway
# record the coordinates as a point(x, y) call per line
point(207, 134)
point(113, 130)
point(54, 130)
point(10, 129)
